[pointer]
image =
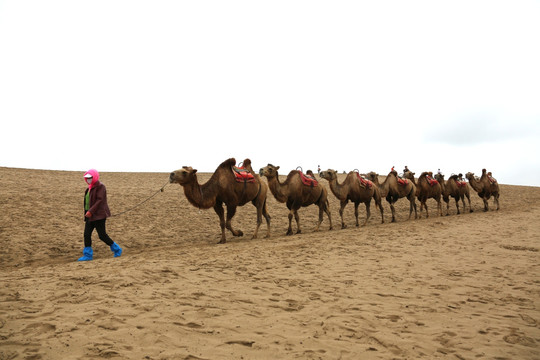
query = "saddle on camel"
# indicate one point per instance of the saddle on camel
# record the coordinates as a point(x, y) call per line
point(241, 174)
point(365, 183)
point(308, 178)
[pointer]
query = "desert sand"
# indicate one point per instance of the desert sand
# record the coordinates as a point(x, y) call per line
point(453, 287)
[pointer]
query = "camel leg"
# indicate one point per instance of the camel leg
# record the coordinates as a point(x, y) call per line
point(297, 218)
point(231, 210)
point(427, 212)
point(289, 230)
point(439, 206)
point(486, 207)
point(327, 211)
point(469, 200)
point(356, 213)
point(457, 206)
point(268, 218)
point(218, 208)
point(393, 212)
point(321, 211)
point(259, 220)
point(411, 207)
point(496, 198)
point(378, 203)
point(368, 211)
point(341, 208)
point(421, 209)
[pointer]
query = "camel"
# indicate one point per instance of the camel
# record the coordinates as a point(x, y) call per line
point(485, 187)
point(295, 194)
point(351, 189)
point(426, 188)
point(393, 190)
point(223, 188)
point(455, 188)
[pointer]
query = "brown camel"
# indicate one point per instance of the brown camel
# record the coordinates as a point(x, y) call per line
point(426, 188)
point(295, 194)
point(393, 190)
point(352, 189)
point(223, 188)
point(455, 188)
point(486, 187)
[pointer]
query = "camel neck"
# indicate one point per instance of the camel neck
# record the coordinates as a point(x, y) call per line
point(199, 197)
point(277, 189)
point(338, 189)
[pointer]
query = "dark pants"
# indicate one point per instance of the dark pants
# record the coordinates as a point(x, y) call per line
point(99, 225)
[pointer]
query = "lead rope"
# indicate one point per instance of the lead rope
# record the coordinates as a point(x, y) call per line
point(142, 202)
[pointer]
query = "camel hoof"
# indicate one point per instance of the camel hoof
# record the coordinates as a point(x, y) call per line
point(343, 226)
point(222, 241)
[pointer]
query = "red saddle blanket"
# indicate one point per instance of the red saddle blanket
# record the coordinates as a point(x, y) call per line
point(308, 180)
point(402, 181)
point(365, 182)
point(461, 183)
point(491, 179)
point(242, 174)
point(431, 181)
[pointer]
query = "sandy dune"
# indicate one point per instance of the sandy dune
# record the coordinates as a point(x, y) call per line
point(458, 287)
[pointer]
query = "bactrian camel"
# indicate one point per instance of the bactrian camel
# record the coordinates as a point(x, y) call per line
point(222, 188)
point(455, 188)
point(295, 194)
point(486, 187)
point(426, 188)
point(352, 189)
point(393, 190)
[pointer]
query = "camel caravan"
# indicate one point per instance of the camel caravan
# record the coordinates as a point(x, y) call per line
point(235, 186)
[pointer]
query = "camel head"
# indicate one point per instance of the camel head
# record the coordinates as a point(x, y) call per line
point(469, 176)
point(373, 176)
point(439, 178)
point(183, 176)
point(409, 175)
point(329, 174)
point(269, 171)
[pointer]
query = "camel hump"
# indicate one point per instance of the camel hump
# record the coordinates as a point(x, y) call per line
point(228, 163)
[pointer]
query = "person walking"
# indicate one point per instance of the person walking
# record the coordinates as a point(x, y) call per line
point(96, 212)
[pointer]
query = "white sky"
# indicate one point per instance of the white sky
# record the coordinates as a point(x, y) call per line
point(155, 85)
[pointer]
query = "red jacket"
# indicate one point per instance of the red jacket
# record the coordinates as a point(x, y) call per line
point(98, 202)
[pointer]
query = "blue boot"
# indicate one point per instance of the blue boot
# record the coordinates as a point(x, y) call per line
point(117, 250)
point(88, 254)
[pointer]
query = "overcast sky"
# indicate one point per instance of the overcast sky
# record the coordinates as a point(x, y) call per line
point(155, 85)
